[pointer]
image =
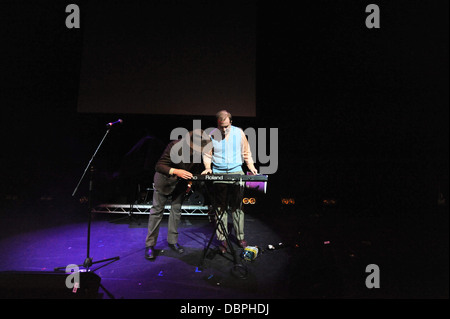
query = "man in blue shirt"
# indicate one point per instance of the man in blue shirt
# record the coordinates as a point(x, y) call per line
point(230, 150)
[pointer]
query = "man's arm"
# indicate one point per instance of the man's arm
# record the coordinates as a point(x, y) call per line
point(247, 154)
point(166, 166)
point(207, 159)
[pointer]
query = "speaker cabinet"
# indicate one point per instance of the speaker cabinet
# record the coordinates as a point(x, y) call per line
point(46, 285)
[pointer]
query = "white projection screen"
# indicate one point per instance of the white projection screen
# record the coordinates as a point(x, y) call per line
point(168, 57)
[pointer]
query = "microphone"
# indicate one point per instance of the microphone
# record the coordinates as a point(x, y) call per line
point(119, 121)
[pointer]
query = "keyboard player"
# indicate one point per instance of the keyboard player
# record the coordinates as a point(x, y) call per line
point(230, 150)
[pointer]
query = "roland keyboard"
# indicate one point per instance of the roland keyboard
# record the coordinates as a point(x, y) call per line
point(230, 177)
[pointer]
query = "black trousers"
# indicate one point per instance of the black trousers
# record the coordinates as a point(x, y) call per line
point(156, 215)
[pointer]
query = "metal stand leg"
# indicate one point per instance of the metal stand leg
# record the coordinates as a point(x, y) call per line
point(88, 261)
point(239, 270)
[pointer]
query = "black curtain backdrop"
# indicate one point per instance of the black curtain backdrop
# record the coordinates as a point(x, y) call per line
point(361, 113)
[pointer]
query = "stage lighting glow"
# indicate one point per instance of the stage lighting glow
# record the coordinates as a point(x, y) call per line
point(288, 201)
point(329, 202)
point(250, 200)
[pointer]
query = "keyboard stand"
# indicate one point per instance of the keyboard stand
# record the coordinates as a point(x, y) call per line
point(239, 270)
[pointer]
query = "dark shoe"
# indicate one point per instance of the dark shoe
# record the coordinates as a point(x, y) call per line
point(243, 243)
point(177, 248)
point(149, 253)
point(223, 247)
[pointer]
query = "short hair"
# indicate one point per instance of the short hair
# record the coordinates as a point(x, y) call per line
point(221, 115)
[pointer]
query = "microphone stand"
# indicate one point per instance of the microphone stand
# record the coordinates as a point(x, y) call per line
point(88, 261)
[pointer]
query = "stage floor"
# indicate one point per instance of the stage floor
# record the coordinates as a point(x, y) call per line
point(323, 253)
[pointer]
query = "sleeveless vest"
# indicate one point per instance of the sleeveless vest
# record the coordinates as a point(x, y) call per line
point(227, 155)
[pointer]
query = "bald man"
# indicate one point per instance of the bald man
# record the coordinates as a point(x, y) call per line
point(230, 150)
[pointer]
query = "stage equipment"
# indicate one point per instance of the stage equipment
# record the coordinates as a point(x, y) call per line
point(253, 182)
point(288, 201)
point(186, 209)
point(135, 176)
point(88, 262)
point(238, 270)
point(257, 185)
point(250, 200)
point(46, 285)
point(230, 178)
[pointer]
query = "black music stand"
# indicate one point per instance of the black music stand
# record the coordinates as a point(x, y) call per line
point(239, 270)
point(88, 261)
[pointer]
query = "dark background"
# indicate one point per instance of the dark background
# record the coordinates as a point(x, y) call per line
point(362, 113)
